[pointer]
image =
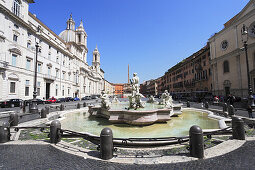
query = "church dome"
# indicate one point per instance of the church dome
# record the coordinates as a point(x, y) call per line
point(67, 35)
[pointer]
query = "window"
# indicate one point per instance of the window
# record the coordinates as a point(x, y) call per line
point(15, 38)
point(27, 88)
point(63, 76)
point(39, 67)
point(57, 60)
point(224, 45)
point(49, 71)
point(28, 64)
point(79, 37)
point(28, 45)
point(14, 60)
point(38, 92)
point(57, 73)
point(16, 7)
point(68, 91)
point(29, 34)
point(26, 91)
point(225, 67)
point(49, 56)
point(12, 87)
point(56, 89)
point(16, 26)
point(27, 82)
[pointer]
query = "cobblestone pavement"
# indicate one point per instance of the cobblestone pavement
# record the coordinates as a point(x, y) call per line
point(48, 157)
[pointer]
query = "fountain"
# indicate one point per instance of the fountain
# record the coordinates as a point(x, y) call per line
point(136, 111)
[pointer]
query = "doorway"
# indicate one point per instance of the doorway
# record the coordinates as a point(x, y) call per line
point(47, 90)
point(227, 91)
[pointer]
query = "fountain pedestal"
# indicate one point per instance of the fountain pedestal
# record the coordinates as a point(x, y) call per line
point(136, 117)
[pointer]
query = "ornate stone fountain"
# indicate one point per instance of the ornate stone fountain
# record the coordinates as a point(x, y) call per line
point(136, 111)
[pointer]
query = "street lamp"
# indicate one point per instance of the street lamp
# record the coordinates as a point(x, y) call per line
point(34, 108)
point(251, 105)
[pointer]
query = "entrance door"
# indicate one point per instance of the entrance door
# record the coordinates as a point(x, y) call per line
point(227, 91)
point(47, 90)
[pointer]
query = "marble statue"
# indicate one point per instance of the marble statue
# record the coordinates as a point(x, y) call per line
point(115, 100)
point(105, 102)
point(166, 99)
point(135, 99)
point(151, 99)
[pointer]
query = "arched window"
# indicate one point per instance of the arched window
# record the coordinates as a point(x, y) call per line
point(226, 67)
point(16, 7)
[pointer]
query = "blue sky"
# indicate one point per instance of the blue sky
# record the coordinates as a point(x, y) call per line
point(149, 35)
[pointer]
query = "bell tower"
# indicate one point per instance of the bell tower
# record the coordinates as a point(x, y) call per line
point(96, 60)
point(81, 36)
point(70, 23)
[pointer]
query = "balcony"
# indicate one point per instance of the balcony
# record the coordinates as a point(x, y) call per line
point(3, 65)
point(49, 77)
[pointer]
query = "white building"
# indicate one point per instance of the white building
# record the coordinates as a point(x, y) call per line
point(62, 60)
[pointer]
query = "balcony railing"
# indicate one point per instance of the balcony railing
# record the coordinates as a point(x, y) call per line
point(50, 77)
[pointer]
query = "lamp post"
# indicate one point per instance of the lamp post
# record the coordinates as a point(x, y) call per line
point(34, 108)
point(251, 105)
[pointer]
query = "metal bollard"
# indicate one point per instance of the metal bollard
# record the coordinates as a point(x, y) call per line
point(196, 142)
point(231, 110)
point(43, 113)
point(225, 107)
point(238, 131)
point(78, 106)
point(55, 135)
point(4, 132)
point(62, 107)
point(84, 104)
point(29, 107)
point(14, 119)
point(24, 106)
point(206, 105)
point(47, 109)
point(188, 104)
point(106, 144)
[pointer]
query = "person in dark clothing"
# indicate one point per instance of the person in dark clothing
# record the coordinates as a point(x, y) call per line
point(231, 99)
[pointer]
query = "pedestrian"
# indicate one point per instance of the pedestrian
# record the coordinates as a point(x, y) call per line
point(250, 112)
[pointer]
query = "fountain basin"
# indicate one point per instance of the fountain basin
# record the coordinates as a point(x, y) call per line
point(178, 126)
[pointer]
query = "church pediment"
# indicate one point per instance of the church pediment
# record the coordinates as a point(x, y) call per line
point(248, 8)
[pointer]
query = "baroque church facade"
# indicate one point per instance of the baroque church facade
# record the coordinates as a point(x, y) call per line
point(62, 67)
point(228, 59)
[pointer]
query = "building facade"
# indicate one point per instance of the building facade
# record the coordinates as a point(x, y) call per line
point(109, 88)
point(118, 89)
point(228, 60)
point(193, 74)
point(62, 68)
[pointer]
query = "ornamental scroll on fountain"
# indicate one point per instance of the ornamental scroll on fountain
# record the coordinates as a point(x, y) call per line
point(135, 111)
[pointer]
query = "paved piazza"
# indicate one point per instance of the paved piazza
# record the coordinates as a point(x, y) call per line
point(48, 157)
